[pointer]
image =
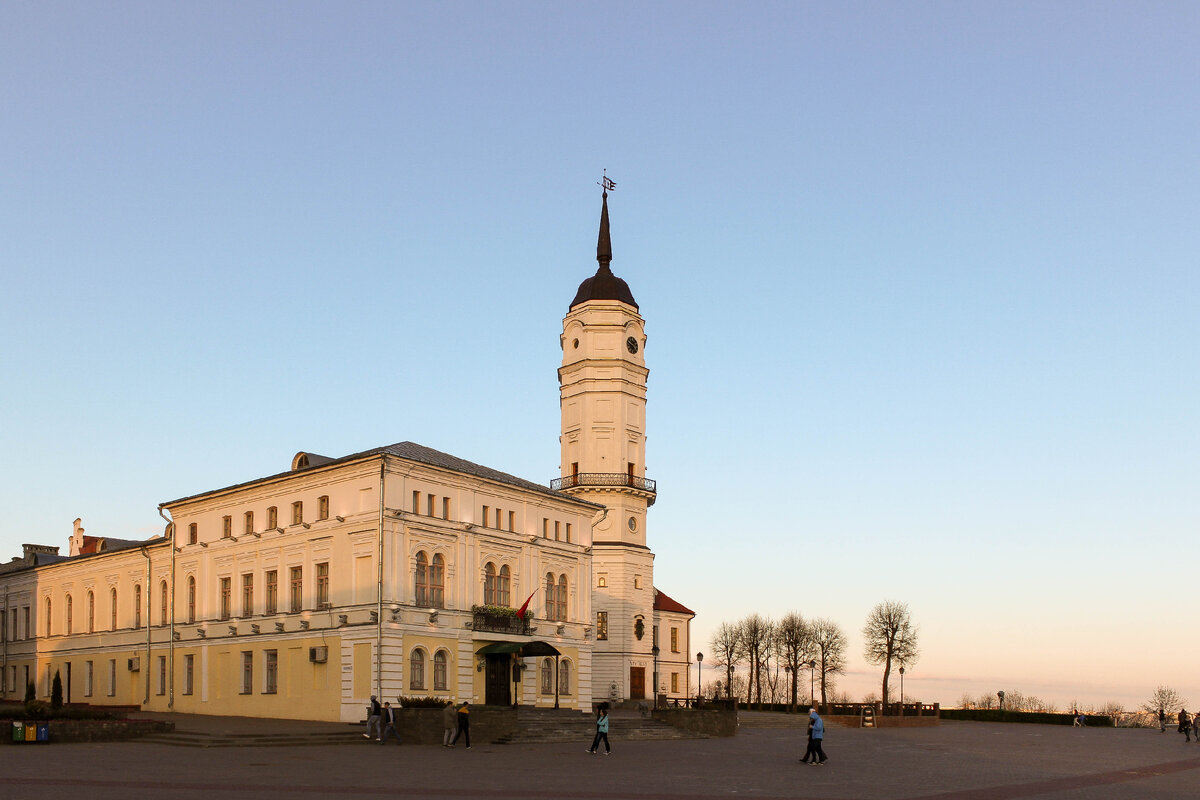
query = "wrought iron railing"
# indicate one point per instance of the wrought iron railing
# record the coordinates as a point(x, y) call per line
point(603, 479)
point(500, 623)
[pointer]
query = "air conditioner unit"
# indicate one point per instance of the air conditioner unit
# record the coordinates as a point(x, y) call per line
point(318, 655)
point(134, 664)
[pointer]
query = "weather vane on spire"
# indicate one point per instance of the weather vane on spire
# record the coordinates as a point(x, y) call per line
point(608, 183)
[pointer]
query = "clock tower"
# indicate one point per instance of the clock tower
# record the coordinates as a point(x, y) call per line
point(602, 393)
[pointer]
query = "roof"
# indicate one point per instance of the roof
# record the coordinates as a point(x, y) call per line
point(604, 285)
point(410, 451)
point(664, 603)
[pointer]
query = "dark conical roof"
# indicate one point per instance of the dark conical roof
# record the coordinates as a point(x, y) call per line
point(604, 285)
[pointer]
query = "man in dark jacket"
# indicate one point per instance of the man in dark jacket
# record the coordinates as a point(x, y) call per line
point(389, 724)
point(464, 726)
point(374, 711)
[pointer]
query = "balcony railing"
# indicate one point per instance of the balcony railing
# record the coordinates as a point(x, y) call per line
point(500, 623)
point(603, 479)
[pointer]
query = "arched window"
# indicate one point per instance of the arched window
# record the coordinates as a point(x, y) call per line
point(191, 615)
point(49, 621)
point(162, 603)
point(439, 671)
point(502, 585)
point(416, 670)
point(547, 676)
point(137, 605)
point(564, 677)
point(437, 582)
point(91, 612)
point(113, 605)
point(489, 585)
point(422, 593)
point(70, 611)
point(562, 598)
point(551, 605)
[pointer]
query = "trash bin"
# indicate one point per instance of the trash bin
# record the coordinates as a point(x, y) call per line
point(18, 731)
point(43, 731)
point(30, 732)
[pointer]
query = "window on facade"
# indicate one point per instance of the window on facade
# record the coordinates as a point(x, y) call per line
point(551, 597)
point(674, 682)
point(416, 670)
point(545, 528)
point(323, 584)
point(248, 522)
point(226, 527)
point(49, 619)
point(112, 677)
point(561, 596)
point(547, 676)
point(601, 625)
point(439, 671)
point(602, 581)
point(193, 534)
point(674, 640)
point(502, 586)
point(323, 507)
point(564, 677)
point(297, 589)
point(3, 627)
point(189, 667)
point(248, 594)
point(247, 672)
point(556, 530)
point(28, 627)
point(226, 598)
point(486, 511)
point(416, 504)
point(163, 595)
point(445, 508)
point(298, 513)
point(272, 518)
point(489, 585)
point(422, 588)
point(637, 581)
point(191, 599)
point(271, 684)
point(272, 599)
point(91, 613)
point(162, 674)
point(437, 581)
point(429, 504)
point(113, 607)
point(512, 517)
point(137, 605)
point(568, 536)
point(88, 678)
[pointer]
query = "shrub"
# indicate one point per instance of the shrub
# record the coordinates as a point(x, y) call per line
point(1041, 717)
point(56, 699)
point(36, 709)
point(422, 702)
point(30, 692)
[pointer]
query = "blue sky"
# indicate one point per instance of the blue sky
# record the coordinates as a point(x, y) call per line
point(920, 282)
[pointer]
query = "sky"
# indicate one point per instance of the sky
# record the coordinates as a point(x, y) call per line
point(919, 281)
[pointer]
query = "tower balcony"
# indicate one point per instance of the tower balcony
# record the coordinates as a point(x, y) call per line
point(605, 480)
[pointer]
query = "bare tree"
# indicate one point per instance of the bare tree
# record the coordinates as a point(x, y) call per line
point(829, 644)
point(889, 635)
point(794, 640)
point(1166, 700)
point(754, 631)
point(726, 644)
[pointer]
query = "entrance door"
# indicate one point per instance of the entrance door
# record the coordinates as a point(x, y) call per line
point(637, 683)
point(496, 687)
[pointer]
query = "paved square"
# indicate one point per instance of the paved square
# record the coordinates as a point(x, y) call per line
point(952, 761)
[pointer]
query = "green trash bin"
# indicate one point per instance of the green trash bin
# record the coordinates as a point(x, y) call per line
point(18, 731)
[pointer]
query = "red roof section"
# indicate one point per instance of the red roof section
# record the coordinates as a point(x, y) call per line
point(664, 603)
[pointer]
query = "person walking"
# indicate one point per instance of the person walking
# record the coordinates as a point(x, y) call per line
point(389, 724)
point(818, 736)
point(374, 711)
point(464, 725)
point(601, 733)
point(449, 724)
point(809, 753)
point(1185, 725)
point(1196, 726)
point(1162, 721)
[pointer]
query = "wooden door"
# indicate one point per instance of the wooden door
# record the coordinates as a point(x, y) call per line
point(637, 683)
point(496, 688)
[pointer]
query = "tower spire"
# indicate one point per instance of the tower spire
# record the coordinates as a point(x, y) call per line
point(603, 242)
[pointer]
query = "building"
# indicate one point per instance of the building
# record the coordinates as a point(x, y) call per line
point(398, 571)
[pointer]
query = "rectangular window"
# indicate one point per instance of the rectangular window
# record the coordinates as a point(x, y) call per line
point(512, 516)
point(271, 684)
point(162, 674)
point(416, 508)
point(498, 525)
point(272, 518)
point(248, 522)
point(545, 528)
point(637, 581)
point(29, 630)
point(137, 606)
point(193, 534)
point(189, 672)
point(556, 531)
point(226, 598)
point(601, 625)
point(323, 585)
point(298, 513)
point(568, 532)
point(674, 640)
point(4, 626)
point(112, 677)
point(247, 672)
point(272, 598)
point(323, 507)
point(88, 677)
point(675, 682)
point(486, 511)
point(445, 508)
point(248, 595)
point(429, 504)
point(297, 589)
point(226, 527)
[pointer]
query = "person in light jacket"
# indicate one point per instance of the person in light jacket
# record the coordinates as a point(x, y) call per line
point(818, 736)
point(601, 733)
point(449, 723)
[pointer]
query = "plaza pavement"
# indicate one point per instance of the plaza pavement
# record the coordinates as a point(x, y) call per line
point(954, 761)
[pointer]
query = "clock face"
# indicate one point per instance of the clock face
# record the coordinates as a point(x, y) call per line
point(631, 344)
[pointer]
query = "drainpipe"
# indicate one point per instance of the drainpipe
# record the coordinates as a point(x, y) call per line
point(7, 633)
point(149, 627)
point(171, 638)
point(379, 589)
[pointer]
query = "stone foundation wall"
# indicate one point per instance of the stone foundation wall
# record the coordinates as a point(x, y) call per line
point(708, 721)
point(90, 730)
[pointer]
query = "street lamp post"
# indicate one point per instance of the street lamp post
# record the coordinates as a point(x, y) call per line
point(654, 688)
point(902, 690)
point(812, 688)
point(699, 677)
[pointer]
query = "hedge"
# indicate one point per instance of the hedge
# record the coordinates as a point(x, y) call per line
point(1040, 717)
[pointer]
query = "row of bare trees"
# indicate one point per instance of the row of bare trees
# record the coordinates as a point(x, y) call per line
point(765, 648)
